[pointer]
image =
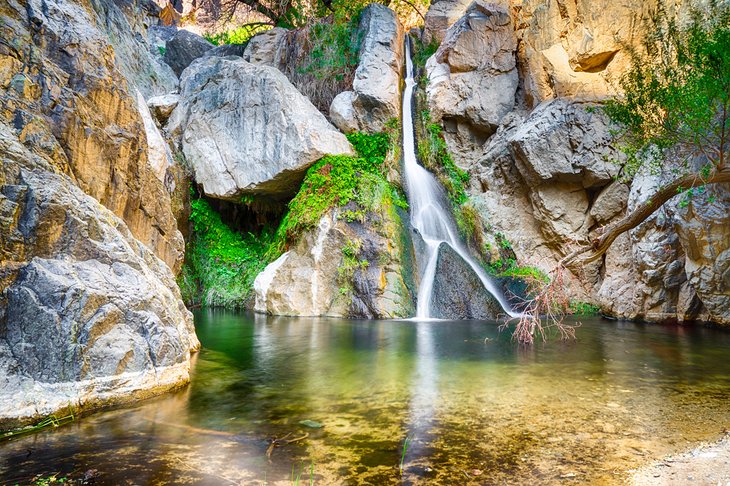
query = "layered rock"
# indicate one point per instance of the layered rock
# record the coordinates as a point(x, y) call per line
point(89, 316)
point(472, 77)
point(315, 278)
point(66, 95)
point(375, 97)
point(245, 129)
point(458, 293)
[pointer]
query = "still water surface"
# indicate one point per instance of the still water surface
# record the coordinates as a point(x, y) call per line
point(474, 407)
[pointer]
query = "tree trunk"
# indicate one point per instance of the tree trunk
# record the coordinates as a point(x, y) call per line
point(601, 243)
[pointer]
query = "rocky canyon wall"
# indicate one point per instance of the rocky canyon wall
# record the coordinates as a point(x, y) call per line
point(90, 313)
point(543, 162)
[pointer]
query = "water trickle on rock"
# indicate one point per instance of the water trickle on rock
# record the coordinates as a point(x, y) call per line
point(430, 214)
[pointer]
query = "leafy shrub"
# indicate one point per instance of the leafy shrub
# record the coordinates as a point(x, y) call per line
point(583, 308)
point(240, 35)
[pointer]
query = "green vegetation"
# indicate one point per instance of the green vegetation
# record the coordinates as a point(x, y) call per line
point(350, 263)
point(403, 454)
point(434, 155)
point(162, 50)
point(50, 421)
point(323, 59)
point(335, 181)
point(674, 115)
point(583, 308)
point(221, 264)
point(335, 48)
point(239, 35)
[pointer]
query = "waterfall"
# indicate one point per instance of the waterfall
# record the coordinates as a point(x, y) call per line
point(429, 212)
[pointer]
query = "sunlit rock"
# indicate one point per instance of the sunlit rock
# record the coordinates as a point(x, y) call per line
point(245, 129)
point(376, 96)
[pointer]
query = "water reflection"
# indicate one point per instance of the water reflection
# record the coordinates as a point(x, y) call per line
point(477, 409)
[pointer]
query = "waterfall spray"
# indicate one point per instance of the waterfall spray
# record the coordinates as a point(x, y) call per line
point(429, 213)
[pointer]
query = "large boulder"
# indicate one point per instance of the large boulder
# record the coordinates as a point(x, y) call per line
point(342, 269)
point(566, 141)
point(88, 315)
point(245, 129)
point(375, 97)
point(644, 270)
point(67, 91)
point(184, 48)
point(441, 15)
point(473, 75)
point(458, 293)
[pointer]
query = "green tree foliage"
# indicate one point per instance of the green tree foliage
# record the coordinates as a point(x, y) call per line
point(674, 115)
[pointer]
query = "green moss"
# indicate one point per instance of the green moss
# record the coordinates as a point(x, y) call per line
point(335, 48)
point(335, 181)
point(434, 155)
point(221, 264)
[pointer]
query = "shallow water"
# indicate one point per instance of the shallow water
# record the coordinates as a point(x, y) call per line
point(476, 408)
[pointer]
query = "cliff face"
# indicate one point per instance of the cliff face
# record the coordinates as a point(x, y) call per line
point(544, 172)
point(89, 310)
point(68, 96)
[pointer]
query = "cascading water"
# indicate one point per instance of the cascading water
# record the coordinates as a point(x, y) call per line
point(428, 212)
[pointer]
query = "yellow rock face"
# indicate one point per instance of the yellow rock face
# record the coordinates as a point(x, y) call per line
point(64, 95)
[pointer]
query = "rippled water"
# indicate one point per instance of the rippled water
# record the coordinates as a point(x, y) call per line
point(476, 408)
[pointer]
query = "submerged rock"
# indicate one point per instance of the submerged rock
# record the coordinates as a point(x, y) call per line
point(245, 129)
point(458, 293)
point(375, 97)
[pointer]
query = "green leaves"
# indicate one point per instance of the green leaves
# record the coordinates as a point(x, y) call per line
point(676, 100)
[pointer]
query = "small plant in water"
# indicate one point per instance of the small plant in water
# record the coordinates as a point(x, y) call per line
point(403, 453)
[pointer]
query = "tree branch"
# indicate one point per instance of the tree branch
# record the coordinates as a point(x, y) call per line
point(600, 245)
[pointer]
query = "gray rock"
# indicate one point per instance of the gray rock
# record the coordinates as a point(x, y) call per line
point(441, 15)
point(268, 48)
point(703, 227)
point(88, 315)
point(226, 50)
point(245, 129)
point(162, 106)
point(610, 202)
point(562, 141)
point(458, 293)
point(183, 49)
point(307, 280)
point(473, 75)
point(376, 87)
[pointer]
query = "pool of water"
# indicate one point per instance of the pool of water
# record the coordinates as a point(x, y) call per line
point(402, 402)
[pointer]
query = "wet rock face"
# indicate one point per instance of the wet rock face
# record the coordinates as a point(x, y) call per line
point(375, 96)
point(473, 74)
point(245, 129)
point(458, 293)
point(88, 315)
point(67, 94)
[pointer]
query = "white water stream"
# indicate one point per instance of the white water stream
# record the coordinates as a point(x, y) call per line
point(428, 212)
